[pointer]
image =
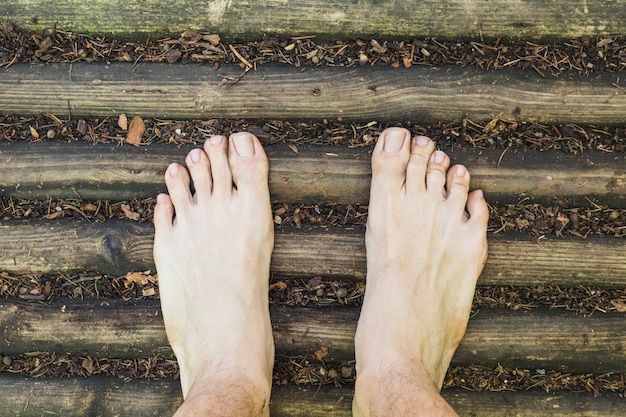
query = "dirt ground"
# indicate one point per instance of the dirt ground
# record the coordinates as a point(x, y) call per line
point(584, 57)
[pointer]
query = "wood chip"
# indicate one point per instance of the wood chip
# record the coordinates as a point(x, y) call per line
point(135, 130)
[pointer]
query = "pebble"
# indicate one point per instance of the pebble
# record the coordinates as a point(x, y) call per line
point(51, 134)
point(6, 360)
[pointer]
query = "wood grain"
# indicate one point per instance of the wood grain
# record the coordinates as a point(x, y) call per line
point(118, 247)
point(450, 19)
point(99, 395)
point(314, 175)
point(380, 93)
point(551, 339)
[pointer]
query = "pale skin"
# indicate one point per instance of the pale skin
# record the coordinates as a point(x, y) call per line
point(426, 246)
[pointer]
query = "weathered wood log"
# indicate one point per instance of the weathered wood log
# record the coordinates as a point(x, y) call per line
point(421, 94)
point(316, 174)
point(117, 247)
point(513, 20)
point(111, 328)
point(98, 395)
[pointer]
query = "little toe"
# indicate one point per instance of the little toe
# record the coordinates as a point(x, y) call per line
point(457, 186)
point(200, 170)
point(177, 181)
point(222, 179)
point(421, 150)
point(390, 158)
point(163, 213)
point(477, 208)
point(436, 173)
point(248, 163)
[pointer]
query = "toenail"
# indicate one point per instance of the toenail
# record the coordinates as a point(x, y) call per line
point(244, 144)
point(421, 141)
point(439, 157)
point(216, 140)
point(195, 155)
point(394, 139)
point(173, 170)
point(460, 171)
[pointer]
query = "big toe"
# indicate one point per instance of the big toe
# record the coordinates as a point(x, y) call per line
point(390, 158)
point(249, 164)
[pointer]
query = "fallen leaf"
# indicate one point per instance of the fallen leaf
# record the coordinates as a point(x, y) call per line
point(173, 55)
point(34, 132)
point(146, 292)
point(213, 39)
point(52, 216)
point(129, 213)
point(604, 42)
point(87, 364)
point(141, 278)
point(619, 304)
point(321, 353)
point(122, 121)
point(135, 130)
point(280, 285)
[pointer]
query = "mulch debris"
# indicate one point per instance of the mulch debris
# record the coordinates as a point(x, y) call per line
point(585, 56)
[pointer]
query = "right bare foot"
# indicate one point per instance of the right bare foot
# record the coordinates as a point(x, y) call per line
point(426, 246)
point(212, 251)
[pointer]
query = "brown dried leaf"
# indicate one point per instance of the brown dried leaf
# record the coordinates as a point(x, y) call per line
point(34, 132)
point(173, 55)
point(141, 278)
point(619, 304)
point(53, 216)
point(129, 213)
point(280, 285)
point(122, 121)
point(146, 292)
point(321, 353)
point(213, 39)
point(135, 130)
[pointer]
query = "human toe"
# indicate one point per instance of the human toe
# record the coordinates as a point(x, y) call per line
point(477, 209)
point(421, 150)
point(457, 186)
point(248, 162)
point(163, 213)
point(177, 182)
point(216, 149)
point(200, 169)
point(391, 152)
point(436, 173)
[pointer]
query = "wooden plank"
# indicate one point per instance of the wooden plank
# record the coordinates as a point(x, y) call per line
point(477, 20)
point(316, 174)
point(117, 247)
point(420, 94)
point(109, 396)
point(112, 328)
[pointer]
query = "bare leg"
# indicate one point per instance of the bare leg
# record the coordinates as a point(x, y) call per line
point(426, 245)
point(212, 251)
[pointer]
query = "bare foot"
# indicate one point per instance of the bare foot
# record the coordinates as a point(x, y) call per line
point(426, 246)
point(212, 251)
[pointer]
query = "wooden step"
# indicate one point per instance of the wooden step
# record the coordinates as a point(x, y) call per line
point(117, 247)
point(537, 339)
point(356, 94)
point(110, 396)
point(316, 174)
point(473, 19)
